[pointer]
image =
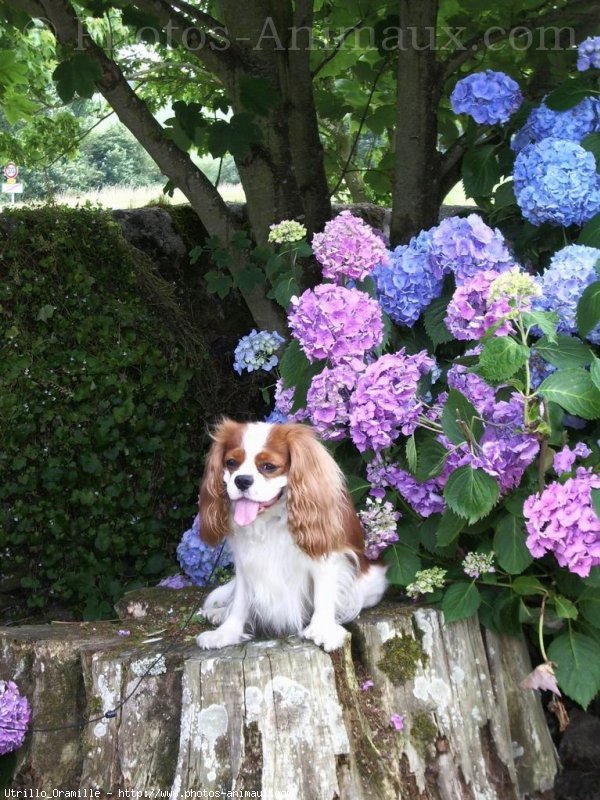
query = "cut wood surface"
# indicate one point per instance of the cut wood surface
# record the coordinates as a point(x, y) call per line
point(279, 719)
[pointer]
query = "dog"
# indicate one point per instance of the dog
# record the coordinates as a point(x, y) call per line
point(281, 500)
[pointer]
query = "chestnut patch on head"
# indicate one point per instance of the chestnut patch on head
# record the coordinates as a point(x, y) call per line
point(234, 458)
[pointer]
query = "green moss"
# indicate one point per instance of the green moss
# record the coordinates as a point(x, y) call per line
point(422, 732)
point(401, 655)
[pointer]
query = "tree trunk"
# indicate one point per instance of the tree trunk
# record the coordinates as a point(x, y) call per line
point(416, 192)
point(280, 717)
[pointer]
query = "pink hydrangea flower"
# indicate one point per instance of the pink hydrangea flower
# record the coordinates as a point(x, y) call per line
point(397, 722)
point(366, 685)
point(563, 461)
point(327, 401)
point(15, 714)
point(348, 248)
point(470, 314)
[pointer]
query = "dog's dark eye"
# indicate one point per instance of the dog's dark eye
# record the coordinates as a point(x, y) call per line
point(268, 467)
point(231, 463)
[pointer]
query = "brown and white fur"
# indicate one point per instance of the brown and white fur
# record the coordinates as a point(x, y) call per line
point(279, 497)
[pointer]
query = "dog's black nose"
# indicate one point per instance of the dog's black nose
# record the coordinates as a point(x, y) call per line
point(243, 482)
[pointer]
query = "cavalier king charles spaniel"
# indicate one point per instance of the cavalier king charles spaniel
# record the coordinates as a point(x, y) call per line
point(281, 500)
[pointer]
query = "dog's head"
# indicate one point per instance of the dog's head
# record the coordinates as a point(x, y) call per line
point(252, 466)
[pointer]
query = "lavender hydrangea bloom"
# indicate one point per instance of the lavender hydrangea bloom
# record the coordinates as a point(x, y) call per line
point(332, 322)
point(379, 523)
point(573, 124)
point(588, 54)
point(562, 521)
point(556, 181)
point(348, 248)
point(199, 560)
point(175, 582)
point(15, 713)
point(564, 460)
point(385, 401)
point(466, 246)
point(328, 399)
point(469, 314)
point(257, 351)
point(489, 97)
point(425, 498)
point(409, 281)
point(571, 270)
point(474, 388)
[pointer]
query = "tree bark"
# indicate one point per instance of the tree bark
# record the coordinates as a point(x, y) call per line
point(416, 192)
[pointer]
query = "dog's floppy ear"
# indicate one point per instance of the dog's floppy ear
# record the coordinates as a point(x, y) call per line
point(316, 493)
point(214, 503)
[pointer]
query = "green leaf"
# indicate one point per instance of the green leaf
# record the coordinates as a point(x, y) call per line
point(527, 584)
point(589, 605)
point(596, 501)
point(577, 659)
point(595, 372)
point(590, 233)
point(591, 142)
point(471, 493)
point(501, 358)
point(565, 608)
point(480, 171)
point(8, 766)
point(296, 370)
point(565, 352)
point(218, 283)
point(459, 410)
point(235, 136)
point(357, 486)
point(404, 564)
point(588, 309)
point(257, 95)
point(460, 601)
point(432, 457)
point(411, 454)
point(433, 319)
point(45, 313)
point(573, 390)
point(546, 321)
point(449, 528)
point(284, 291)
point(90, 463)
point(509, 545)
point(572, 92)
point(248, 278)
point(77, 75)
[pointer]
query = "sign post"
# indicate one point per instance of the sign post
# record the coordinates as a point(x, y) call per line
point(12, 187)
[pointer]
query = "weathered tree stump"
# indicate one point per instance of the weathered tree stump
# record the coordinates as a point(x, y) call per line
point(280, 717)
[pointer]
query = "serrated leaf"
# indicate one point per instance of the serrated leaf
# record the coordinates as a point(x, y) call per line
point(449, 528)
point(296, 370)
point(546, 321)
point(411, 454)
point(573, 390)
point(509, 545)
point(577, 659)
point(565, 352)
point(432, 457)
point(257, 95)
point(590, 233)
point(596, 501)
point(591, 142)
point(572, 92)
point(595, 372)
point(460, 601)
point(589, 605)
point(357, 486)
point(527, 585)
point(471, 493)
point(459, 413)
point(77, 75)
point(588, 309)
point(248, 278)
point(218, 283)
point(235, 136)
point(565, 608)
point(433, 319)
point(284, 291)
point(501, 358)
point(480, 171)
point(45, 313)
point(404, 564)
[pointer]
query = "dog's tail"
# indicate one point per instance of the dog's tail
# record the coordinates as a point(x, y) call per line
point(372, 584)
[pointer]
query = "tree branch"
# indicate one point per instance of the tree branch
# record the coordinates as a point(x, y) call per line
point(338, 46)
point(483, 41)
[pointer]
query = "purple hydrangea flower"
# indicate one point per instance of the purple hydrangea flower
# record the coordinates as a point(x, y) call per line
point(15, 715)
point(556, 181)
point(474, 388)
point(199, 560)
point(425, 498)
point(467, 246)
point(470, 314)
point(409, 281)
point(379, 524)
point(174, 582)
point(564, 460)
point(571, 270)
point(257, 351)
point(385, 402)
point(561, 520)
point(588, 54)
point(332, 322)
point(489, 97)
point(328, 400)
point(573, 124)
point(348, 248)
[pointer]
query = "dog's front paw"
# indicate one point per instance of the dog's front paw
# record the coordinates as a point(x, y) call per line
point(215, 614)
point(212, 640)
point(328, 635)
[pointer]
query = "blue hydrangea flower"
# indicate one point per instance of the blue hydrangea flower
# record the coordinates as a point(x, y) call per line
point(408, 282)
point(257, 351)
point(487, 96)
point(572, 124)
point(197, 559)
point(467, 246)
point(556, 181)
point(571, 270)
point(276, 416)
point(588, 54)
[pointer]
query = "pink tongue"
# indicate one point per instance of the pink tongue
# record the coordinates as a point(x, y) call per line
point(246, 511)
